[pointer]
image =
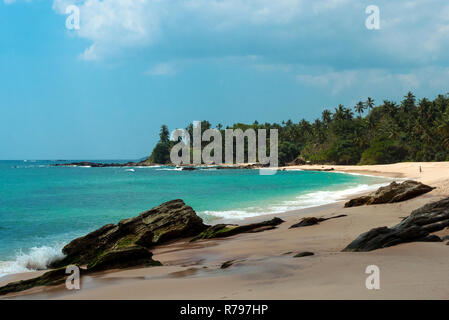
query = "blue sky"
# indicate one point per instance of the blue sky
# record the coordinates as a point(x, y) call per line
point(102, 92)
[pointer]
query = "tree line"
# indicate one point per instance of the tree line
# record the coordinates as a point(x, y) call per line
point(363, 134)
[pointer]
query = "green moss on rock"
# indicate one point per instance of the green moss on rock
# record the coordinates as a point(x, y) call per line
point(123, 258)
point(50, 278)
point(224, 230)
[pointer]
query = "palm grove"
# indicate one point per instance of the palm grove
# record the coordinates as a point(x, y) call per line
point(364, 134)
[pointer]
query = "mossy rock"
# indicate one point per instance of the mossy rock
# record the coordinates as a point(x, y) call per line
point(124, 245)
point(169, 221)
point(124, 257)
point(225, 230)
point(128, 241)
point(216, 231)
point(50, 278)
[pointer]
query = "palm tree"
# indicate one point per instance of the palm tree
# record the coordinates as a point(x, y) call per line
point(339, 112)
point(164, 135)
point(347, 113)
point(359, 108)
point(442, 128)
point(369, 104)
point(390, 108)
point(408, 104)
point(326, 116)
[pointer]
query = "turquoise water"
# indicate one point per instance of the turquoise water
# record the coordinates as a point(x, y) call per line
point(48, 206)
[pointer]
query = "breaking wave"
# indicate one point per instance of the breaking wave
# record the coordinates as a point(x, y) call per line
point(38, 258)
point(308, 200)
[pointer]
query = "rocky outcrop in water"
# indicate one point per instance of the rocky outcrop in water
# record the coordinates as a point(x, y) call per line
point(147, 163)
point(226, 230)
point(394, 192)
point(104, 165)
point(419, 226)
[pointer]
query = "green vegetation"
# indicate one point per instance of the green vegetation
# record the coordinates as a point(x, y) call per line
point(161, 152)
point(390, 132)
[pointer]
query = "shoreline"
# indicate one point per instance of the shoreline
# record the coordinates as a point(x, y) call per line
point(261, 217)
point(390, 176)
point(264, 265)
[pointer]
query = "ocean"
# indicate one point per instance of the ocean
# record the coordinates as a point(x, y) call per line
point(44, 207)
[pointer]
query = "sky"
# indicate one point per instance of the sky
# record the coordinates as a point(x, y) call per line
point(102, 91)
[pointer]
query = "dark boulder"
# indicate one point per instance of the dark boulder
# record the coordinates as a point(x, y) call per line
point(50, 278)
point(418, 226)
point(303, 254)
point(124, 245)
point(188, 168)
point(123, 258)
point(394, 192)
point(310, 221)
point(169, 221)
point(226, 230)
point(229, 263)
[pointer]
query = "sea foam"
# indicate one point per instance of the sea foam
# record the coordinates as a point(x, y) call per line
point(38, 258)
point(308, 200)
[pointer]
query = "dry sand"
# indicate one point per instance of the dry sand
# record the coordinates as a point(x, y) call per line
point(266, 269)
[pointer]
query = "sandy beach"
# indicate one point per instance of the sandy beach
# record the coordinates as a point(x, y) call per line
point(265, 268)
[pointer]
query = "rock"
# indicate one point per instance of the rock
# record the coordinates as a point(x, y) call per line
point(297, 162)
point(143, 163)
point(123, 258)
point(360, 201)
point(241, 166)
point(418, 226)
point(225, 230)
point(229, 263)
point(113, 259)
point(50, 278)
point(169, 221)
point(123, 245)
point(394, 192)
point(303, 254)
point(310, 221)
point(430, 238)
point(188, 168)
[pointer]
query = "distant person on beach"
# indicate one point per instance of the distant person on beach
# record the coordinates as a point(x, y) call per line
point(420, 170)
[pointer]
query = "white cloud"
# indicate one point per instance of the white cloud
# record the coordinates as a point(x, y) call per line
point(89, 53)
point(374, 80)
point(335, 81)
point(114, 24)
point(417, 31)
point(162, 69)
